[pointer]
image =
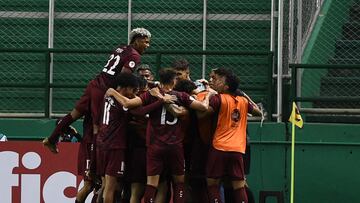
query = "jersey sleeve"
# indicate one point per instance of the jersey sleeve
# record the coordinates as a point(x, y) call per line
point(131, 62)
point(215, 102)
point(145, 98)
point(185, 99)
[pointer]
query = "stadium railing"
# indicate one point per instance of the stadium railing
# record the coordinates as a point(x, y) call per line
point(263, 83)
point(327, 90)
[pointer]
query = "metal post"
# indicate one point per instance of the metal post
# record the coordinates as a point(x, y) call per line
point(51, 45)
point(204, 39)
point(299, 47)
point(272, 29)
point(279, 60)
point(291, 30)
point(47, 84)
point(129, 19)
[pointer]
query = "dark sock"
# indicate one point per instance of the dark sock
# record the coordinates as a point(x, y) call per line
point(150, 192)
point(77, 201)
point(228, 193)
point(199, 190)
point(240, 195)
point(250, 195)
point(63, 124)
point(214, 194)
point(179, 194)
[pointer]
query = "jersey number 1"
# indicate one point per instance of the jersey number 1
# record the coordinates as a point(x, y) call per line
point(163, 120)
point(106, 115)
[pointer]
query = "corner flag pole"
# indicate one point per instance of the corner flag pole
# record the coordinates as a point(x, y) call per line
point(292, 160)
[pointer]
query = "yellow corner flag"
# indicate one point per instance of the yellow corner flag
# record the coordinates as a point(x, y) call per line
point(295, 116)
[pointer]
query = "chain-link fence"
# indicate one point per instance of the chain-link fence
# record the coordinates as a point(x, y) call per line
point(326, 32)
point(93, 24)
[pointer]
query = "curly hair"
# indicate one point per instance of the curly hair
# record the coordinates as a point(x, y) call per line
point(139, 33)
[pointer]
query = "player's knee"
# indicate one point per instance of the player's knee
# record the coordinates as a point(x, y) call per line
point(88, 185)
point(179, 179)
point(212, 181)
point(238, 184)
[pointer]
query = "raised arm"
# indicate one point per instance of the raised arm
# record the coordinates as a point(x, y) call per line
point(255, 109)
point(202, 105)
point(126, 102)
point(177, 111)
point(143, 110)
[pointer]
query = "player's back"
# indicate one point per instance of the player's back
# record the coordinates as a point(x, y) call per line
point(112, 133)
point(123, 56)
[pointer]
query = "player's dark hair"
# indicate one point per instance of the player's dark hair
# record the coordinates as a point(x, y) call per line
point(167, 75)
point(127, 80)
point(185, 86)
point(231, 80)
point(142, 83)
point(180, 64)
point(143, 67)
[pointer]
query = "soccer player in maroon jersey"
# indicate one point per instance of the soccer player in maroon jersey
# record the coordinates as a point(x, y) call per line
point(182, 69)
point(164, 136)
point(144, 71)
point(112, 138)
point(122, 59)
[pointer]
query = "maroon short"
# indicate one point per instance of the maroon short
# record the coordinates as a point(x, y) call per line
point(221, 163)
point(84, 155)
point(137, 165)
point(162, 157)
point(91, 101)
point(112, 162)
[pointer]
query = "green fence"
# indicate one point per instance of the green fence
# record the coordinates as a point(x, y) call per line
point(328, 93)
point(52, 80)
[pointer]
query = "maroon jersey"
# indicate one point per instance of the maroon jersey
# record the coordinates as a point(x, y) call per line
point(112, 133)
point(122, 56)
point(163, 127)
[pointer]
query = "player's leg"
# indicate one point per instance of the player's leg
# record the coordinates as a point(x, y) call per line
point(239, 191)
point(81, 106)
point(176, 161)
point(137, 191)
point(178, 188)
point(109, 189)
point(83, 167)
point(137, 173)
point(66, 121)
point(236, 172)
point(213, 186)
point(84, 191)
point(154, 167)
point(151, 188)
point(198, 171)
point(163, 190)
point(215, 168)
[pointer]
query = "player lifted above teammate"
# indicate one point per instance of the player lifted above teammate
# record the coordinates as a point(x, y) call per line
point(122, 59)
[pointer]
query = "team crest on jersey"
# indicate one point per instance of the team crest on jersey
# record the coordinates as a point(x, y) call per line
point(132, 64)
point(235, 115)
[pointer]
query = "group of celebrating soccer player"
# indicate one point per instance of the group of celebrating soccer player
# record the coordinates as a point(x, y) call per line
point(143, 137)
